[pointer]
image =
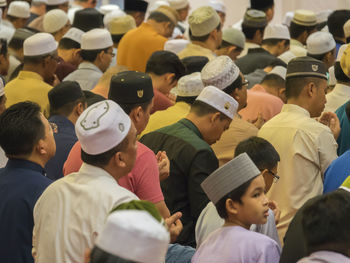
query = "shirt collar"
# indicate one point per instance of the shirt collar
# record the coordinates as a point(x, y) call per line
point(296, 43)
point(89, 65)
point(62, 120)
point(190, 125)
point(24, 74)
point(25, 164)
point(341, 88)
point(295, 109)
point(94, 171)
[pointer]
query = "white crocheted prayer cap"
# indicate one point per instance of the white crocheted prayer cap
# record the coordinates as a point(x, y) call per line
point(190, 85)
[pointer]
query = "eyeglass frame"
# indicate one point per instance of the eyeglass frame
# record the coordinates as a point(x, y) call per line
point(275, 176)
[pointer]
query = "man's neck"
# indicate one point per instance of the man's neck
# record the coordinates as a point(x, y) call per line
point(207, 44)
point(34, 68)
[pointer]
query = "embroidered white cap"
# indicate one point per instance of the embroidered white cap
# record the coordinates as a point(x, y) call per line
point(189, 85)
point(74, 34)
point(203, 20)
point(176, 45)
point(96, 39)
point(319, 43)
point(105, 9)
point(101, 127)
point(178, 4)
point(19, 9)
point(280, 71)
point(276, 32)
point(39, 44)
point(54, 20)
point(111, 15)
point(220, 72)
point(304, 18)
point(229, 177)
point(219, 100)
point(218, 6)
point(234, 36)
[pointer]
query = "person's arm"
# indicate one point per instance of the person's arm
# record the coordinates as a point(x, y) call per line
point(162, 209)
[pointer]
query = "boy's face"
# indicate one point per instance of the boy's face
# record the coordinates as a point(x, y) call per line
point(254, 207)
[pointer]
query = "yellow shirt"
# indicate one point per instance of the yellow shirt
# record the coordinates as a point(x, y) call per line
point(28, 86)
point(163, 118)
point(137, 45)
point(196, 50)
point(306, 148)
point(238, 131)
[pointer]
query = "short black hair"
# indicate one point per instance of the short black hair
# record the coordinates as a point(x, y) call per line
point(260, 151)
point(227, 44)
point(67, 43)
point(92, 98)
point(16, 43)
point(12, 18)
point(294, 86)
point(21, 128)
point(249, 31)
point(116, 38)
point(36, 59)
point(67, 108)
point(336, 21)
point(339, 73)
point(275, 41)
point(51, 7)
point(3, 47)
point(202, 38)
point(159, 17)
point(162, 62)
point(100, 256)
point(128, 107)
point(200, 109)
point(91, 55)
point(296, 30)
point(237, 84)
point(234, 195)
point(326, 224)
point(274, 80)
point(188, 100)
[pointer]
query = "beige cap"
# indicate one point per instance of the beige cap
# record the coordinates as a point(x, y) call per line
point(320, 43)
point(112, 15)
point(54, 20)
point(203, 20)
point(39, 44)
point(169, 12)
point(189, 85)
point(121, 25)
point(19, 9)
point(254, 18)
point(276, 32)
point(178, 4)
point(305, 18)
point(346, 28)
point(96, 39)
point(3, 3)
point(234, 36)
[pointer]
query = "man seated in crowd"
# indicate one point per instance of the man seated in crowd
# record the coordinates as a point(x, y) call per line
point(233, 41)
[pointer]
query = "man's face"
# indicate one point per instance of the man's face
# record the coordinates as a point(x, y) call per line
point(49, 140)
point(183, 13)
point(241, 94)
point(51, 65)
point(319, 100)
point(106, 59)
point(145, 115)
point(168, 29)
point(269, 177)
point(129, 154)
point(216, 130)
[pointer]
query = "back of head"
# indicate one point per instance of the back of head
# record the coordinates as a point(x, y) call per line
point(233, 37)
point(135, 6)
point(88, 19)
point(262, 5)
point(162, 62)
point(253, 21)
point(274, 80)
point(21, 128)
point(318, 44)
point(21, 34)
point(326, 223)
point(194, 63)
point(336, 21)
point(72, 39)
point(303, 20)
point(119, 26)
point(164, 14)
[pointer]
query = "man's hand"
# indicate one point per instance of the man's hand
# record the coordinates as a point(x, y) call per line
point(331, 120)
point(163, 165)
point(258, 122)
point(174, 226)
point(277, 212)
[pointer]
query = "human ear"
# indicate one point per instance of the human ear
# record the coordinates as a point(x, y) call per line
point(40, 147)
point(232, 207)
point(215, 117)
point(119, 160)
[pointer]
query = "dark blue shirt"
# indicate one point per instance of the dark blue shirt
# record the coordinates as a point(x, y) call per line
point(343, 138)
point(21, 184)
point(65, 138)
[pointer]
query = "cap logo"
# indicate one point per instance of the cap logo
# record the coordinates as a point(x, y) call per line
point(314, 67)
point(227, 105)
point(92, 122)
point(121, 127)
point(140, 93)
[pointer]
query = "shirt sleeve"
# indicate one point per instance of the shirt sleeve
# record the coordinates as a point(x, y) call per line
point(270, 254)
point(327, 147)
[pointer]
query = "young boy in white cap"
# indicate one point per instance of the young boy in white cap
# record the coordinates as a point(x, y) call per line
point(238, 191)
point(97, 54)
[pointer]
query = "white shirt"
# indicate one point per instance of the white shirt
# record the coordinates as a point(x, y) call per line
point(337, 97)
point(247, 46)
point(72, 211)
point(306, 148)
point(297, 48)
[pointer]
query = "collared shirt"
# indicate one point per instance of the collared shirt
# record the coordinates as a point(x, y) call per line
point(238, 131)
point(21, 184)
point(71, 213)
point(343, 138)
point(247, 46)
point(87, 75)
point(325, 257)
point(65, 138)
point(196, 50)
point(337, 97)
point(14, 63)
point(30, 86)
point(167, 117)
point(297, 48)
point(191, 161)
point(137, 46)
point(259, 101)
point(160, 101)
point(237, 244)
point(306, 148)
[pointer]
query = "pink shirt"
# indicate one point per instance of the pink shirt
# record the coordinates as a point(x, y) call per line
point(160, 102)
point(259, 101)
point(143, 180)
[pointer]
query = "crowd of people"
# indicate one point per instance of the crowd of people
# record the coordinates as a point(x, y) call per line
point(153, 132)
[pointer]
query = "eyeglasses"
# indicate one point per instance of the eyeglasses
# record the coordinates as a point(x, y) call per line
point(112, 54)
point(275, 176)
point(245, 83)
point(54, 127)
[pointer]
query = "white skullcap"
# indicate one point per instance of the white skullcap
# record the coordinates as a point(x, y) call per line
point(346, 28)
point(305, 18)
point(332, 81)
point(176, 45)
point(121, 25)
point(203, 20)
point(40, 1)
point(74, 34)
point(280, 71)
point(323, 16)
point(2, 90)
point(101, 127)
point(39, 44)
point(319, 43)
point(111, 15)
point(19, 9)
point(105, 9)
point(178, 4)
point(218, 6)
point(234, 37)
point(56, 2)
point(96, 39)
point(219, 100)
point(3, 3)
point(134, 235)
point(229, 177)
point(157, 4)
point(288, 17)
point(341, 52)
point(276, 32)
point(54, 20)
point(287, 56)
point(220, 72)
point(189, 85)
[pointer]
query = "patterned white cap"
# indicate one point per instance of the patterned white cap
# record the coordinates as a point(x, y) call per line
point(319, 43)
point(74, 34)
point(2, 90)
point(276, 32)
point(346, 28)
point(189, 85)
point(39, 44)
point(102, 126)
point(280, 71)
point(304, 18)
point(229, 177)
point(287, 56)
point(203, 20)
point(157, 4)
point(19, 9)
point(134, 235)
point(105, 9)
point(220, 72)
point(96, 39)
point(176, 45)
point(218, 6)
point(54, 20)
point(219, 100)
point(234, 36)
point(111, 15)
point(341, 52)
point(178, 4)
